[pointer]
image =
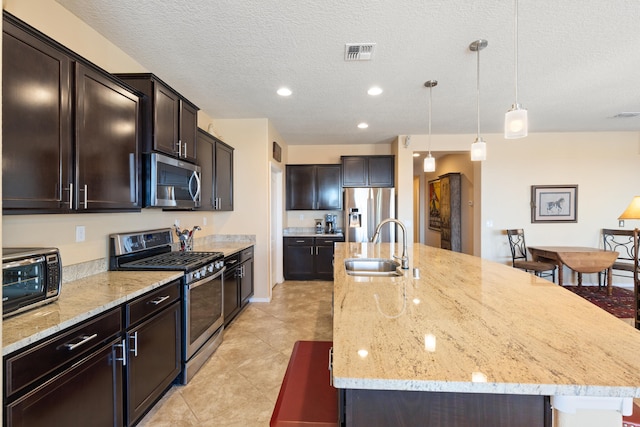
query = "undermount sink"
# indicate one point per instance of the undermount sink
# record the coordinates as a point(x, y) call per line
point(372, 267)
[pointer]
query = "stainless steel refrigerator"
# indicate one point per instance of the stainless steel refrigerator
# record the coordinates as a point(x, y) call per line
point(364, 208)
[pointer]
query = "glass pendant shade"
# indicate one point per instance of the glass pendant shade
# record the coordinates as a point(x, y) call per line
point(478, 150)
point(429, 164)
point(516, 122)
point(633, 210)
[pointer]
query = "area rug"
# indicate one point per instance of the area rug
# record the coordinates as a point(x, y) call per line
point(620, 304)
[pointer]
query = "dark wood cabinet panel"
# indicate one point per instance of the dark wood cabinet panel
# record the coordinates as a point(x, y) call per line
point(238, 283)
point(166, 119)
point(56, 158)
point(154, 360)
point(169, 120)
point(37, 122)
point(223, 180)
point(329, 187)
point(88, 393)
point(368, 171)
point(450, 212)
point(313, 187)
point(301, 187)
point(309, 258)
point(246, 275)
point(188, 130)
point(107, 143)
point(215, 159)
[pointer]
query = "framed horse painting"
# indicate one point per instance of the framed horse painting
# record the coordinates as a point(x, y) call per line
point(554, 203)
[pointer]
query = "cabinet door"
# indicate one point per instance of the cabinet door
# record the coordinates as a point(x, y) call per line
point(329, 187)
point(246, 281)
point(87, 394)
point(354, 171)
point(324, 259)
point(301, 188)
point(107, 143)
point(188, 130)
point(36, 123)
point(223, 182)
point(231, 292)
point(381, 171)
point(166, 119)
point(299, 257)
point(154, 351)
point(205, 160)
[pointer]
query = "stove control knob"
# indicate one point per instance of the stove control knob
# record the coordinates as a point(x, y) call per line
point(203, 272)
point(210, 268)
point(196, 275)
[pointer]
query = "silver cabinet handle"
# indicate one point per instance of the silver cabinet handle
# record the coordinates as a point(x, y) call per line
point(122, 359)
point(70, 195)
point(159, 300)
point(185, 149)
point(86, 197)
point(179, 143)
point(311, 250)
point(331, 366)
point(134, 350)
point(83, 340)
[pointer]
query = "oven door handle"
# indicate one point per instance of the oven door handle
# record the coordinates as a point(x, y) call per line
point(207, 279)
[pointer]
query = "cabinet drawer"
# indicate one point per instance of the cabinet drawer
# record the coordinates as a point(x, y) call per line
point(152, 302)
point(49, 356)
point(298, 241)
point(327, 241)
point(246, 254)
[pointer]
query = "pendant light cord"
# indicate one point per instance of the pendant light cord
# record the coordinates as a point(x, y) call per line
point(515, 47)
point(478, 88)
point(430, 87)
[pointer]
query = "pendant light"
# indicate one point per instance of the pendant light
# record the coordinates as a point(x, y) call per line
point(429, 161)
point(479, 147)
point(515, 120)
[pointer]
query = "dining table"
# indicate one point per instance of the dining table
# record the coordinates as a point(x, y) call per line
point(581, 259)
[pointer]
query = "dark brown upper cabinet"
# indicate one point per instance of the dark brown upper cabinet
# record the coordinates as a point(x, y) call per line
point(169, 121)
point(70, 133)
point(215, 159)
point(368, 171)
point(313, 187)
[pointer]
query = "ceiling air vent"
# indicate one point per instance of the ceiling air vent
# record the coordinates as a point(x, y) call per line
point(358, 51)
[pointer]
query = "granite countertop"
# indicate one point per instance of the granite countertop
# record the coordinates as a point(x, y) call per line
point(78, 301)
point(473, 325)
point(312, 234)
point(227, 248)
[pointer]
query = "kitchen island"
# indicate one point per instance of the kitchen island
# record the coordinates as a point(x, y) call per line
point(472, 342)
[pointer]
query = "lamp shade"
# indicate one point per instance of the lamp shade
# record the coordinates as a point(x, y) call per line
point(478, 150)
point(633, 210)
point(515, 122)
point(429, 164)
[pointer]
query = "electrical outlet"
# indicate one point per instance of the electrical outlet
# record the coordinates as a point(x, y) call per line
point(177, 222)
point(80, 233)
point(204, 220)
point(621, 223)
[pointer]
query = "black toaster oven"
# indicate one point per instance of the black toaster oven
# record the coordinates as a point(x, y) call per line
point(30, 277)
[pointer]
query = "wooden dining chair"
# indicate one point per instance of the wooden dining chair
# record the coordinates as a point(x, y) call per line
point(625, 242)
point(520, 259)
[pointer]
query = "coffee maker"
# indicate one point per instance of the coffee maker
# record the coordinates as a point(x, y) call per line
point(330, 222)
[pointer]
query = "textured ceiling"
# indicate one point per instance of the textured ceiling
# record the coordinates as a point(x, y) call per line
point(579, 61)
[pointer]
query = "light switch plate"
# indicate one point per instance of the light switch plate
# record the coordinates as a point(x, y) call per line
point(80, 233)
point(621, 223)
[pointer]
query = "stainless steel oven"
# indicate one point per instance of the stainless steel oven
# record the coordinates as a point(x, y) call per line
point(202, 284)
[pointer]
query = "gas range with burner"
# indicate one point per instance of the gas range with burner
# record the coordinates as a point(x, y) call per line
point(202, 299)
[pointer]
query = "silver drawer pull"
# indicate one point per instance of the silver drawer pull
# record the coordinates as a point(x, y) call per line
point(83, 340)
point(159, 300)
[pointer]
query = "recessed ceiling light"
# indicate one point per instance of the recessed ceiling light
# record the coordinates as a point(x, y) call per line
point(374, 91)
point(363, 125)
point(284, 91)
point(627, 115)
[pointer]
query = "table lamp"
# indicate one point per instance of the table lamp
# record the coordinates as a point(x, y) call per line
point(633, 210)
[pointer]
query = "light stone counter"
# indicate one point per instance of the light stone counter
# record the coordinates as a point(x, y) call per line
point(80, 300)
point(472, 325)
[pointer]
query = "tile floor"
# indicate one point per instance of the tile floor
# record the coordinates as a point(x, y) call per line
point(239, 385)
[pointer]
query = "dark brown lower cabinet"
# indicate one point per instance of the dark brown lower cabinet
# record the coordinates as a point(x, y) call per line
point(88, 393)
point(238, 283)
point(309, 258)
point(154, 360)
point(372, 408)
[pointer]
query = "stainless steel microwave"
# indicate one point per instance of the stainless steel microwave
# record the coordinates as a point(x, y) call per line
point(30, 277)
point(172, 183)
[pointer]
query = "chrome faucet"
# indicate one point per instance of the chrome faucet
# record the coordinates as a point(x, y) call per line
point(376, 235)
